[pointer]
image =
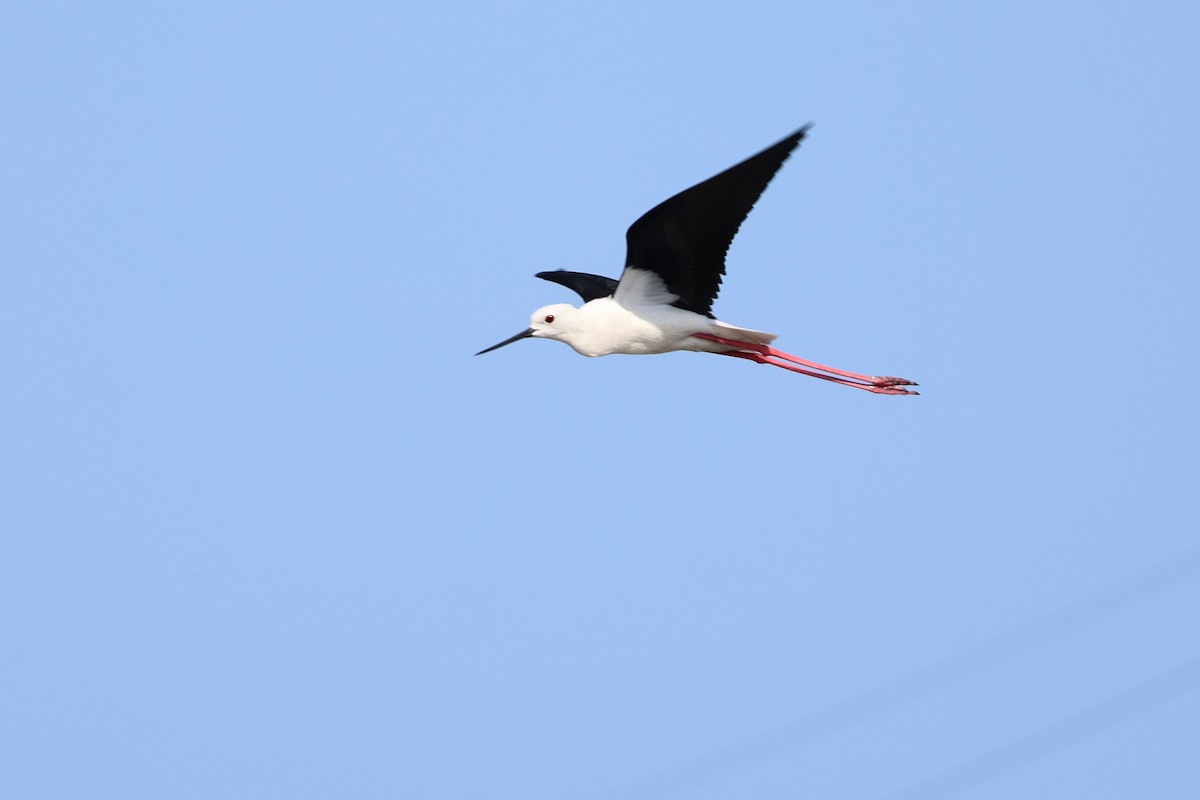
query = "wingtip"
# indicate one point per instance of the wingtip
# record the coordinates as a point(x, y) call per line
point(794, 139)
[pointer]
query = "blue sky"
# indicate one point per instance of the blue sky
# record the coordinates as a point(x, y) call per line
point(271, 530)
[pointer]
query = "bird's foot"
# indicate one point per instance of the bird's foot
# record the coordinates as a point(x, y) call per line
point(886, 388)
point(889, 381)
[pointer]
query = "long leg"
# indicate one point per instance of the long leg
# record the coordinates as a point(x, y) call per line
point(764, 354)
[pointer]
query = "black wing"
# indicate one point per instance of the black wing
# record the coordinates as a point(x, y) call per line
point(589, 287)
point(684, 239)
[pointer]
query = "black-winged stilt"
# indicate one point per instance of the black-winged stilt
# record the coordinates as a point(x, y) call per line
point(674, 261)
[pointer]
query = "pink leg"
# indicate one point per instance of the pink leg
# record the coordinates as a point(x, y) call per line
point(764, 354)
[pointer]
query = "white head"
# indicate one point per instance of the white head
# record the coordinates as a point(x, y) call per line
point(548, 322)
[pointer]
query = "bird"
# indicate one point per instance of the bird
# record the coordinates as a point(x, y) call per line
point(674, 262)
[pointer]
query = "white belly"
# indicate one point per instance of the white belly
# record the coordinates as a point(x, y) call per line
point(608, 327)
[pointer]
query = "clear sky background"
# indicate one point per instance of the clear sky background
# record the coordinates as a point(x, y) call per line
point(270, 530)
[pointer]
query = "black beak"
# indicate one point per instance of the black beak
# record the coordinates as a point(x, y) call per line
point(525, 334)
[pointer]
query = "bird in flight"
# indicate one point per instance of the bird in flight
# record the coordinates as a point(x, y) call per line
point(674, 261)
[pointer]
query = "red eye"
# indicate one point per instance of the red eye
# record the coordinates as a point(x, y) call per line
point(549, 318)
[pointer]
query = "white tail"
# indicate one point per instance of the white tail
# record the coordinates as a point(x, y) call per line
point(744, 334)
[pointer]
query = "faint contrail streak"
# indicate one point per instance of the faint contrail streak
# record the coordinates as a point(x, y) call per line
point(907, 689)
point(1056, 736)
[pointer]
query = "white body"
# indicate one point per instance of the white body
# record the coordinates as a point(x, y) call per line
point(606, 326)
